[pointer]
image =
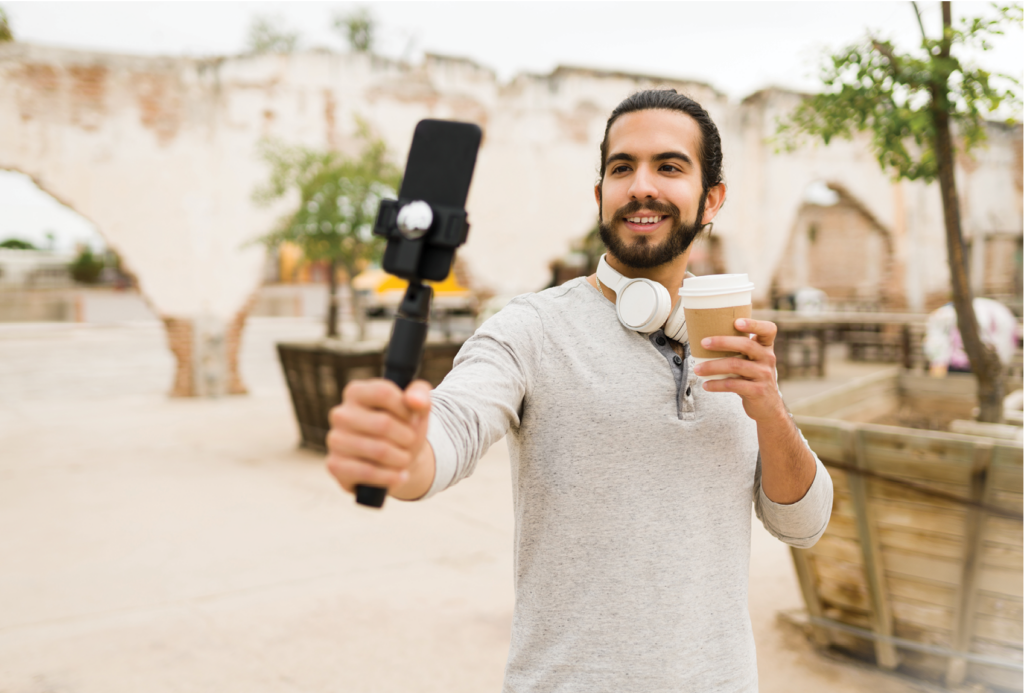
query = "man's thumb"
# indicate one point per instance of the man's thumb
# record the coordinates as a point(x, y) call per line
point(417, 395)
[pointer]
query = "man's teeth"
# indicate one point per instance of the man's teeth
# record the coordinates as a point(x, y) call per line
point(643, 220)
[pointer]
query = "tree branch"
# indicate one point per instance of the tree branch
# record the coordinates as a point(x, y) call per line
point(920, 23)
point(885, 49)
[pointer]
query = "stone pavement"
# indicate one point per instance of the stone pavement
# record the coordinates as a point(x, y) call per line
point(158, 545)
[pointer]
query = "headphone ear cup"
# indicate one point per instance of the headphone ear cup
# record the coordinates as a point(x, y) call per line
point(643, 305)
point(664, 307)
point(675, 326)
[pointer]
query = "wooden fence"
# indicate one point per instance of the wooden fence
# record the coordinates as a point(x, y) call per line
point(921, 566)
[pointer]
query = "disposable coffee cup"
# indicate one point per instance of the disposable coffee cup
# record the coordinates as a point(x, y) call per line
point(712, 305)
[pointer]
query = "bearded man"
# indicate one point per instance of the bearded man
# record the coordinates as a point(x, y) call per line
point(633, 479)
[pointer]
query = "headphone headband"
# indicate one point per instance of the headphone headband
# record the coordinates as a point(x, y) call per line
point(609, 276)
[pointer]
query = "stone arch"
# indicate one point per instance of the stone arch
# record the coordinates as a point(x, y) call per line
point(842, 248)
point(196, 351)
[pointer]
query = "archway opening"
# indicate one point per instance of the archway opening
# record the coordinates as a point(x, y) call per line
point(837, 246)
point(47, 250)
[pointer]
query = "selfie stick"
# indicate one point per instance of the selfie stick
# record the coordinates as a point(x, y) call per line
point(423, 227)
point(405, 349)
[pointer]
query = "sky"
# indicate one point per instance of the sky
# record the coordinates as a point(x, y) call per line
point(737, 47)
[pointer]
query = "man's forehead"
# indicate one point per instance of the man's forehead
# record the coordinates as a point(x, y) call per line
point(655, 129)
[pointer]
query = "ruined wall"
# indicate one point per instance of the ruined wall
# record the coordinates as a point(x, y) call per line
point(160, 153)
point(823, 234)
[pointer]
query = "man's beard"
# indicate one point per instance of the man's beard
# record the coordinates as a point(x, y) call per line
point(641, 254)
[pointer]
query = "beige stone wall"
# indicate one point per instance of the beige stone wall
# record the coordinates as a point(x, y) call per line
point(160, 153)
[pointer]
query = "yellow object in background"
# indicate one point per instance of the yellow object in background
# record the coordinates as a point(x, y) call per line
point(380, 282)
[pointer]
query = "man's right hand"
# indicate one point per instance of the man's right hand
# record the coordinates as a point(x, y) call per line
point(378, 438)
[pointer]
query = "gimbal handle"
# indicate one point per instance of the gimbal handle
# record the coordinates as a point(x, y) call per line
point(402, 360)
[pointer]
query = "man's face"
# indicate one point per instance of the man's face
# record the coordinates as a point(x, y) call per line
point(651, 201)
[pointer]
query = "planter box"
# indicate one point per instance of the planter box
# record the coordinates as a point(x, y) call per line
point(318, 372)
point(921, 566)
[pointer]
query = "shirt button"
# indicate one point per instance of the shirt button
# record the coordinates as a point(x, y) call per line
point(661, 341)
point(687, 392)
point(678, 360)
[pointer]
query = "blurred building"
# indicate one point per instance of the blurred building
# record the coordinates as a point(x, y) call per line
point(34, 269)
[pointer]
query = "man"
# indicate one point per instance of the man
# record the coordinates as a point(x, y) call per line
point(632, 480)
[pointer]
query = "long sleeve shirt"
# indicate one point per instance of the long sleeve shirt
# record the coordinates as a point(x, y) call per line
point(632, 490)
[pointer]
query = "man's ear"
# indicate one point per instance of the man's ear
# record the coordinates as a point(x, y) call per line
point(713, 203)
point(597, 196)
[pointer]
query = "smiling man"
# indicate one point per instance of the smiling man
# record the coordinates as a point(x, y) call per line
point(633, 479)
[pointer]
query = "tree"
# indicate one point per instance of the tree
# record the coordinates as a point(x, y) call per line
point(5, 27)
point(358, 29)
point(913, 104)
point(338, 201)
point(266, 35)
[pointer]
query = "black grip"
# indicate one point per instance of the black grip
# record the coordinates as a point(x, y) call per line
point(400, 365)
point(405, 351)
point(371, 496)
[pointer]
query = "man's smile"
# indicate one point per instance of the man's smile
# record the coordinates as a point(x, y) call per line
point(643, 223)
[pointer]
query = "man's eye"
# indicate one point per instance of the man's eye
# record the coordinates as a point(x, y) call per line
point(620, 168)
point(670, 167)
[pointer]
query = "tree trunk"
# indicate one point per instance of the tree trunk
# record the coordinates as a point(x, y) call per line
point(985, 363)
point(332, 299)
point(356, 304)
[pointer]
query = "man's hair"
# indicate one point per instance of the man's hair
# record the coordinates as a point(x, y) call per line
point(709, 149)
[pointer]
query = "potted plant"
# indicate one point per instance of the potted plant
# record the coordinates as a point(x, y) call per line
point(338, 197)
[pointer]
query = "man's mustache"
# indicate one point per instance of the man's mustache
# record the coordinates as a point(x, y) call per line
point(663, 208)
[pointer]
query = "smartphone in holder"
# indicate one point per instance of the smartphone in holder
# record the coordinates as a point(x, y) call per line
point(423, 228)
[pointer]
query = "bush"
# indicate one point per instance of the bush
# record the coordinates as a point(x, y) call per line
point(86, 268)
point(16, 244)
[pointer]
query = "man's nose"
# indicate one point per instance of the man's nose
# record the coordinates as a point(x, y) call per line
point(643, 187)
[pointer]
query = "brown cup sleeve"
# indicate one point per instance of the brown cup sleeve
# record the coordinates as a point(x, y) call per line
point(713, 322)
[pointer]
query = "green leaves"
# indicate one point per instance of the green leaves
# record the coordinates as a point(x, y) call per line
point(338, 199)
point(267, 35)
point(358, 28)
point(896, 97)
point(5, 27)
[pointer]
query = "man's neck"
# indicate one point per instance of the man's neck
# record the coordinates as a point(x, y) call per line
point(670, 275)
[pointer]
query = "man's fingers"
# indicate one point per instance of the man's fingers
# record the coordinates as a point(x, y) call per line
point(377, 393)
point(373, 423)
point(376, 450)
point(743, 345)
point(764, 331)
point(350, 472)
point(739, 386)
point(729, 366)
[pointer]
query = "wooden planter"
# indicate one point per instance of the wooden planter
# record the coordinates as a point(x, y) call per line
point(317, 373)
point(921, 565)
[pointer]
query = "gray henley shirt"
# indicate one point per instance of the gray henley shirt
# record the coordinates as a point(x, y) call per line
point(632, 489)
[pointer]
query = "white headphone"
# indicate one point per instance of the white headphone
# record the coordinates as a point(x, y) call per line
point(643, 305)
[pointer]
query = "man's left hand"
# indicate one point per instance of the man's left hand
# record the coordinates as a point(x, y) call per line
point(756, 384)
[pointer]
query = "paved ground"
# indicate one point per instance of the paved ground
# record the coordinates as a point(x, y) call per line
point(149, 544)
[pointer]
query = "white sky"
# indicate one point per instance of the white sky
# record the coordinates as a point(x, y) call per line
point(737, 47)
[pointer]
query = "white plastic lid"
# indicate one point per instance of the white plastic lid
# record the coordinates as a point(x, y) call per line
point(716, 285)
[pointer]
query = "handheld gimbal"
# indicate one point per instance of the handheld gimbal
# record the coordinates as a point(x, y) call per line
point(423, 227)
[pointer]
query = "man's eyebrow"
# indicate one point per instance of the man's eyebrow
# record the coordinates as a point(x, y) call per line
point(664, 156)
point(621, 156)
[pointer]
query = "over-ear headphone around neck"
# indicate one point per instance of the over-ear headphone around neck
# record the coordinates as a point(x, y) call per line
point(643, 305)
